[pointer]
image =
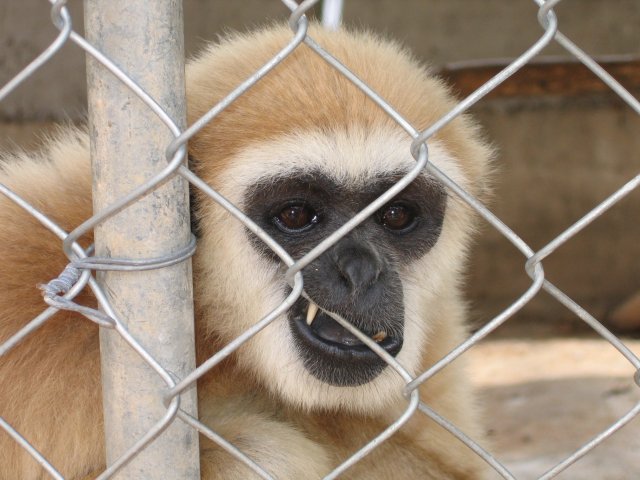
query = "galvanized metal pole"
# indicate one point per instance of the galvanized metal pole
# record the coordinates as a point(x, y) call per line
point(127, 147)
point(332, 14)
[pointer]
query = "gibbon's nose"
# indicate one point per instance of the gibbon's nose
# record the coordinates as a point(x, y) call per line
point(358, 265)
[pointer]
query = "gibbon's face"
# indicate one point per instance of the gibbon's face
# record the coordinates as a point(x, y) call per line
point(300, 153)
point(384, 277)
point(360, 276)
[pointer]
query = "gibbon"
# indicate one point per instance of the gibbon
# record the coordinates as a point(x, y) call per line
point(300, 153)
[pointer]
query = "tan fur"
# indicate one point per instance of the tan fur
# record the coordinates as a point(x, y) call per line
point(50, 387)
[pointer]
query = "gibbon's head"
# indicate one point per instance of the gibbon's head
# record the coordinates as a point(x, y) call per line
point(301, 153)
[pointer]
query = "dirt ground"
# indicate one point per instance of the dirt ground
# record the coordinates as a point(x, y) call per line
point(545, 398)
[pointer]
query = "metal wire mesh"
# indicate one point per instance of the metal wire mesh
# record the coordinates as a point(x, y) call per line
point(60, 293)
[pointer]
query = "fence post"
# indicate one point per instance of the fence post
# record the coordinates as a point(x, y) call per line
point(128, 146)
point(332, 14)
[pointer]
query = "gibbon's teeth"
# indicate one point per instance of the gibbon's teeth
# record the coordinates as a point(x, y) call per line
point(311, 313)
point(380, 336)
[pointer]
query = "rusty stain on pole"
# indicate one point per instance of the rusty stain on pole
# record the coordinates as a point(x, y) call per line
point(128, 146)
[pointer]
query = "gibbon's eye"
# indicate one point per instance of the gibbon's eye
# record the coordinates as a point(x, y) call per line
point(397, 217)
point(296, 217)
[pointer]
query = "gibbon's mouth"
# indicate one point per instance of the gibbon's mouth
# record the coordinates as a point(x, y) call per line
point(333, 354)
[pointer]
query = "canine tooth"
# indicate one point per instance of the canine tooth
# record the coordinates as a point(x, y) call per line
point(312, 312)
point(380, 336)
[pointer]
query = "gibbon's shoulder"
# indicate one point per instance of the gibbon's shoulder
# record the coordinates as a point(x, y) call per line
point(305, 93)
point(60, 168)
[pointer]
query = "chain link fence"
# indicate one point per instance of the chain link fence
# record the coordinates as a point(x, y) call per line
point(59, 294)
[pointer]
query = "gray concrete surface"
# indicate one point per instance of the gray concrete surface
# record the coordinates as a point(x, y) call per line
point(544, 399)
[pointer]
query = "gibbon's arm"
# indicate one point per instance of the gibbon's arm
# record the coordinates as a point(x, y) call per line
point(50, 382)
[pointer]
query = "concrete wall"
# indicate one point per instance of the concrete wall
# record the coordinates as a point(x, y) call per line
point(557, 158)
point(555, 164)
point(438, 31)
